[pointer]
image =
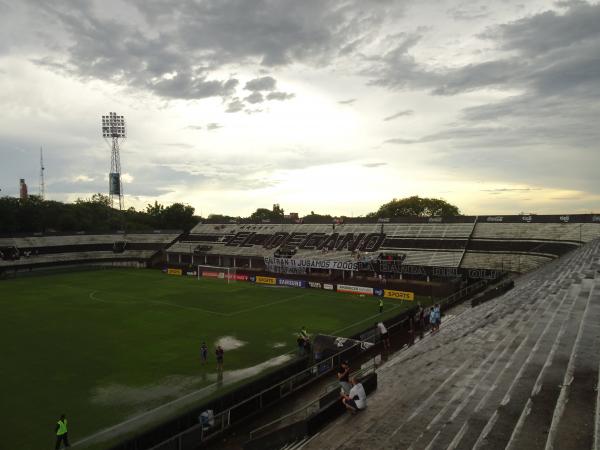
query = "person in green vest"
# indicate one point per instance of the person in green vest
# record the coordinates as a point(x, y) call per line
point(380, 305)
point(61, 432)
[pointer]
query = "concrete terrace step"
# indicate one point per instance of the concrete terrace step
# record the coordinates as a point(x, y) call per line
point(465, 404)
point(502, 423)
point(519, 372)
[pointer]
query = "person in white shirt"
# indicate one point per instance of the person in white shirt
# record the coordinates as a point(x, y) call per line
point(356, 400)
point(385, 338)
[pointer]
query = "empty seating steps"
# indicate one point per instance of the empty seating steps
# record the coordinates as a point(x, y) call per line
point(509, 262)
point(519, 372)
point(575, 232)
point(77, 256)
point(80, 247)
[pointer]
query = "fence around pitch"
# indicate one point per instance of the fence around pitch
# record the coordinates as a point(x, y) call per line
point(254, 404)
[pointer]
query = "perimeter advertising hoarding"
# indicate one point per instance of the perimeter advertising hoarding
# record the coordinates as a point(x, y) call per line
point(399, 295)
point(292, 283)
point(266, 280)
point(354, 289)
point(174, 271)
point(211, 274)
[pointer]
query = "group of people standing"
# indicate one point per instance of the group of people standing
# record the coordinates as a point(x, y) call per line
point(429, 319)
point(219, 353)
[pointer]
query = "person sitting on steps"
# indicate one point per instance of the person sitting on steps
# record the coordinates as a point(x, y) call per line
point(356, 399)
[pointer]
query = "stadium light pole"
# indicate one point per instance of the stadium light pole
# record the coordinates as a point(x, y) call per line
point(114, 132)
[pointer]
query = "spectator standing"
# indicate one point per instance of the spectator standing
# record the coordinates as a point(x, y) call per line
point(219, 353)
point(203, 353)
point(385, 338)
point(432, 319)
point(62, 434)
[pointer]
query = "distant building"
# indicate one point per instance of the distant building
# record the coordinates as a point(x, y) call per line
point(23, 189)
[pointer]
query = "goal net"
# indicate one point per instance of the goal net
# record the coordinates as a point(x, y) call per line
point(223, 273)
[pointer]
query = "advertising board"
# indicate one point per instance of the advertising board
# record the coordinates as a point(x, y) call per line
point(354, 289)
point(399, 295)
point(266, 280)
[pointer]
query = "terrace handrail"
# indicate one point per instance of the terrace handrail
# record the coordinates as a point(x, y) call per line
point(224, 418)
point(307, 408)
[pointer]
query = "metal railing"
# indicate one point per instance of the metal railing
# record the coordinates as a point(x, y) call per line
point(223, 420)
point(310, 408)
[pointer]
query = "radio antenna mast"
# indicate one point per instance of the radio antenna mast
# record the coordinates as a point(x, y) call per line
point(42, 182)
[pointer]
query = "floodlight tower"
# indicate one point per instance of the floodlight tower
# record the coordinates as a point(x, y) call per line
point(113, 132)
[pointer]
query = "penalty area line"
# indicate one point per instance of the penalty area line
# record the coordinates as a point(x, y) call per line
point(93, 296)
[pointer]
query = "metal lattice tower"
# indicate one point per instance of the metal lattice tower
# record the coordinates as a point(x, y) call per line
point(113, 132)
point(42, 182)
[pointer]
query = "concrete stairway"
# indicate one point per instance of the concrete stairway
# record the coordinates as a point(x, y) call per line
point(519, 372)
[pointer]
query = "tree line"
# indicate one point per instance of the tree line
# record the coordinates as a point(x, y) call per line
point(96, 214)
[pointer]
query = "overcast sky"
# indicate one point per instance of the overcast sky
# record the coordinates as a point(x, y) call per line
point(331, 106)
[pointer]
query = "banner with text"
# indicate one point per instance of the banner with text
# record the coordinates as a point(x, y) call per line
point(174, 271)
point(354, 289)
point(266, 280)
point(311, 264)
point(399, 295)
point(292, 283)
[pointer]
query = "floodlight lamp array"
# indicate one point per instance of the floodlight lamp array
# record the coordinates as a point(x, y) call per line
point(113, 126)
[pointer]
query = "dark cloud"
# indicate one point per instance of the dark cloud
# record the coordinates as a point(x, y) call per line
point(469, 12)
point(175, 49)
point(347, 102)
point(280, 96)
point(255, 97)
point(376, 164)
point(406, 112)
point(213, 126)
point(547, 133)
point(236, 105)
point(261, 84)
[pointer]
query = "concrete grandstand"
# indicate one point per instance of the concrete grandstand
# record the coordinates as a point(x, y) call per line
point(519, 372)
point(508, 243)
point(28, 252)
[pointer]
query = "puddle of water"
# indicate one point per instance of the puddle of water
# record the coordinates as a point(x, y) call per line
point(117, 394)
point(229, 342)
point(123, 395)
point(231, 376)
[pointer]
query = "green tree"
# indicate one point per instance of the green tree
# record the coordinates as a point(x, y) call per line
point(265, 214)
point(261, 214)
point(416, 206)
point(179, 216)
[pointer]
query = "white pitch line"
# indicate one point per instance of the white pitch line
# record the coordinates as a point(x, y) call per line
point(267, 304)
point(93, 296)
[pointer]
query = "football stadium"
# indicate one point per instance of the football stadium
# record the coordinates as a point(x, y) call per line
point(300, 225)
point(115, 323)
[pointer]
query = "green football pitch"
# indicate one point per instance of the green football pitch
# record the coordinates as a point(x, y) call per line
point(108, 347)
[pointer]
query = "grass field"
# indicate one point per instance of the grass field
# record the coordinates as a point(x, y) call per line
point(104, 346)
